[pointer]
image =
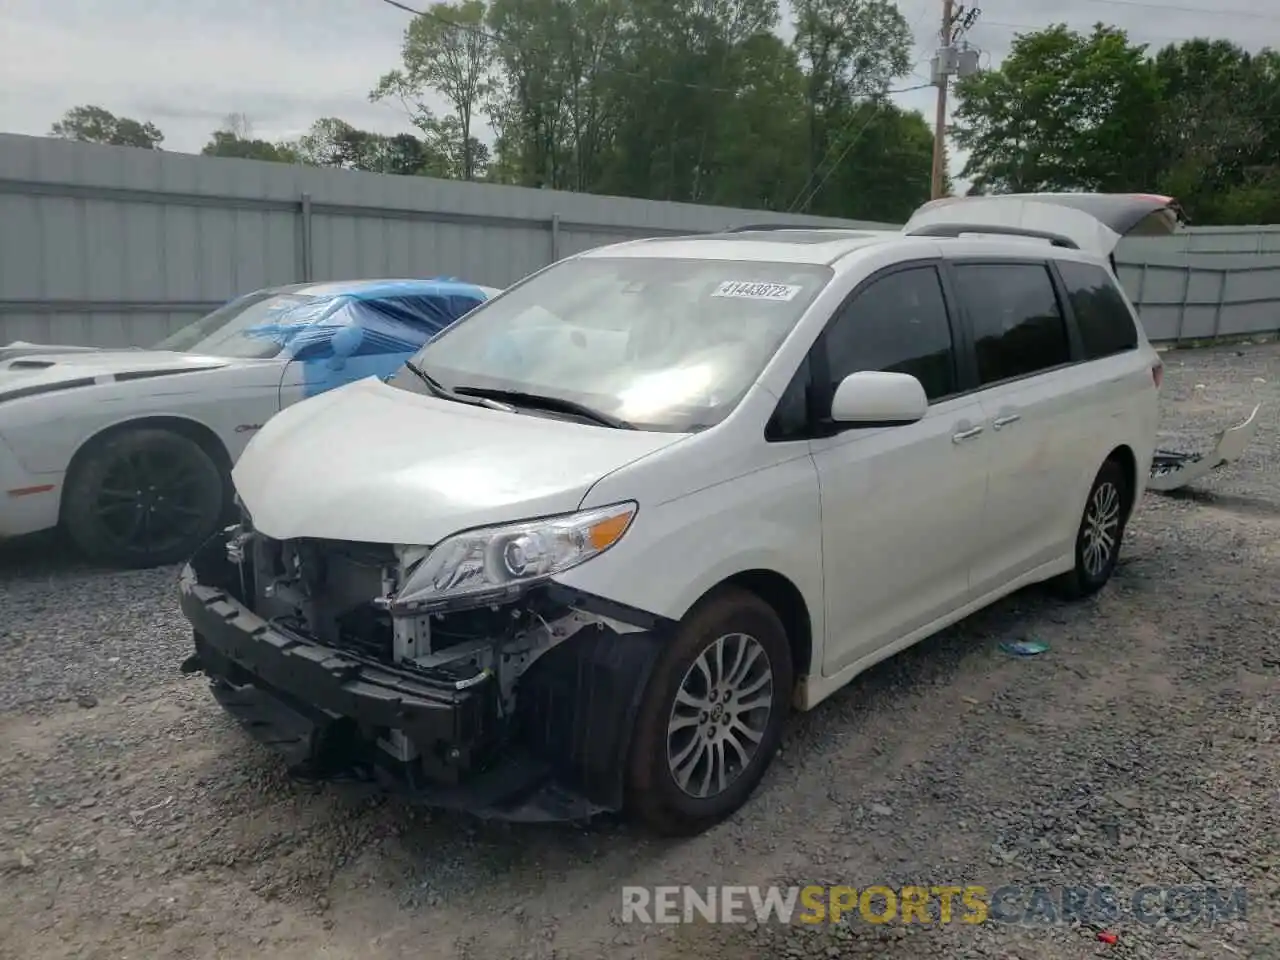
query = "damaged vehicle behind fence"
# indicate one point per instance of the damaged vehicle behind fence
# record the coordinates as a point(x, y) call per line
point(591, 544)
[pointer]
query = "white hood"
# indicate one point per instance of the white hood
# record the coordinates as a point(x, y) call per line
point(31, 368)
point(374, 463)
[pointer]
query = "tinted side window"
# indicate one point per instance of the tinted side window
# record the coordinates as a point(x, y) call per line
point(1018, 327)
point(897, 323)
point(1106, 326)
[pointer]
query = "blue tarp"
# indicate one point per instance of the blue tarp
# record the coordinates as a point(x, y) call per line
point(393, 316)
point(373, 326)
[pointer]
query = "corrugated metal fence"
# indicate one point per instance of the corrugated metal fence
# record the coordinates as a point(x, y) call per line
point(1205, 283)
point(113, 246)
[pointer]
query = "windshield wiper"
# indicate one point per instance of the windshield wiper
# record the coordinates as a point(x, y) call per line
point(543, 402)
point(440, 390)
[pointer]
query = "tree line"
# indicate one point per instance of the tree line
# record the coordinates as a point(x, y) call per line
point(702, 101)
point(689, 100)
point(1198, 120)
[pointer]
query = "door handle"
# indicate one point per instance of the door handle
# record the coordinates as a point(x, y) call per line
point(964, 435)
point(999, 422)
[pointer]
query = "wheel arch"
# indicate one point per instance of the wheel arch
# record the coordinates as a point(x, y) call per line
point(199, 433)
point(1124, 457)
point(786, 600)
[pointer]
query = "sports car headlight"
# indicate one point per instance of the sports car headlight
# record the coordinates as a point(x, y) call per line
point(490, 564)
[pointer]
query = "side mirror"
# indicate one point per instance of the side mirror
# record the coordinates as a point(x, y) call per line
point(877, 398)
point(345, 342)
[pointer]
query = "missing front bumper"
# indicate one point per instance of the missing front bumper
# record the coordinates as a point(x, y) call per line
point(560, 756)
point(519, 789)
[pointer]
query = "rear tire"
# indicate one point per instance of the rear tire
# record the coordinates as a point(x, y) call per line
point(143, 498)
point(712, 715)
point(1100, 534)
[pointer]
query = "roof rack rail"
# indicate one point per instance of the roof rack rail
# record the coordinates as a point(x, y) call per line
point(953, 230)
point(752, 227)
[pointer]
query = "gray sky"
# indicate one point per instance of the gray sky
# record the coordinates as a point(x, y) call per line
point(186, 64)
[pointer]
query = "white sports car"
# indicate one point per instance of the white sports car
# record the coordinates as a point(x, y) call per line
point(131, 450)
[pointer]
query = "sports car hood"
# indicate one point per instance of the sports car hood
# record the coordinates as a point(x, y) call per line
point(30, 369)
point(373, 463)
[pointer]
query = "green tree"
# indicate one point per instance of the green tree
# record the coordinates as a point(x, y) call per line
point(679, 84)
point(235, 139)
point(555, 103)
point(92, 124)
point(1218, 140)
point(758, 154)
point(446, 52)
point(443, 151)
point(689, 100)
point(882, 165)
point(332, 142)
point(224, 143)
point(849, 49)
point(701, 101)
point(1065, 111)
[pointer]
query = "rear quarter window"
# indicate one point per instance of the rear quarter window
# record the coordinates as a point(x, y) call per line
point(1102, 316)
point(1018, 325)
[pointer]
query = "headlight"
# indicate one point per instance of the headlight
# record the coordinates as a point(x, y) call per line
point(493, 563)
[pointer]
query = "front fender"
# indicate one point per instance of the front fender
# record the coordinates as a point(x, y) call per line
point(678, 550)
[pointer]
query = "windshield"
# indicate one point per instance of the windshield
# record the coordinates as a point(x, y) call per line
point(662, 344)
point(223, 332)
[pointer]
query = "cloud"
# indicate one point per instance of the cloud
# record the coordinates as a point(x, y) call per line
point(284, 63)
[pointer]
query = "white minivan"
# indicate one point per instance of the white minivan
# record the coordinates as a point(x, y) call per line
point(589, 547)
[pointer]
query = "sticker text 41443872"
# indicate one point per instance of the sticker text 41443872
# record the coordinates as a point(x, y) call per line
point(755, 290)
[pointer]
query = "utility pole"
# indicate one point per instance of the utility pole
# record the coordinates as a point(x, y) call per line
point(950, 61)
point(941, 79)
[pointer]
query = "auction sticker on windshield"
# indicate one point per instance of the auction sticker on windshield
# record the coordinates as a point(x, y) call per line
point(753, 290)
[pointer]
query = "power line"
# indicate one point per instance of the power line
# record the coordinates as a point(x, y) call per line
point(1137, 34)
point(926, 82)
point(615, 71)
point(1176, 8)
point(496, 38)
point(808, 194)
point(803, 193)
point(804, 190)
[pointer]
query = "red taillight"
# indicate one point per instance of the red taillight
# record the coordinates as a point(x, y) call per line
point(1157, 373)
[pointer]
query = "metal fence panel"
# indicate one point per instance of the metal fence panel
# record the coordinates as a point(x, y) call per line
point(1213, 240)
point(1197, 296)
point(111, 246)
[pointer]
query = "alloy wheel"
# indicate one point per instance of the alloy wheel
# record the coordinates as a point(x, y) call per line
point(1101, 528)
point(720, 715)
point(149, 500)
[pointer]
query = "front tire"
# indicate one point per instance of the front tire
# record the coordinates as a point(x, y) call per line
point(143, 498)
point(1100, 534)
point(712, 716)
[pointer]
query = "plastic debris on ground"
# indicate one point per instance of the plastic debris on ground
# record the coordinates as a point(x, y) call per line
point(1025, 648)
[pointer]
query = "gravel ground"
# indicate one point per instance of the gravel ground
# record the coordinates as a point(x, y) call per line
point(1144, 747)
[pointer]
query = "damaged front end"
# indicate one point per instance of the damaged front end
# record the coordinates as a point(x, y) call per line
point(1172, 470)
point(514, 702)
